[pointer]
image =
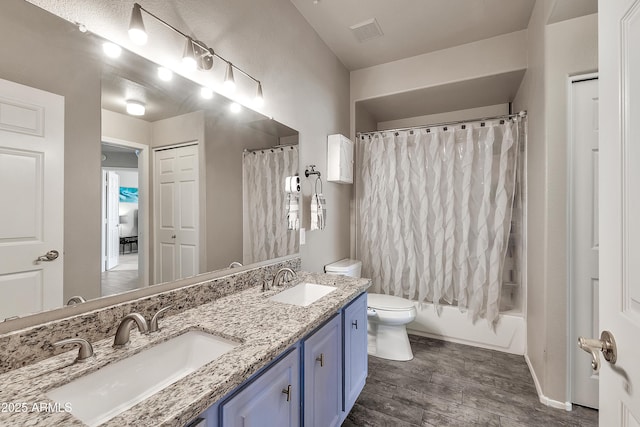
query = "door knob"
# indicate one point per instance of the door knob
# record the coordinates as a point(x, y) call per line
point(606, 344)
point(49, 256)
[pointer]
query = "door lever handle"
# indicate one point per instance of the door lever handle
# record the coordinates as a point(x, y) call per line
point(49, 256)
point(606, 344)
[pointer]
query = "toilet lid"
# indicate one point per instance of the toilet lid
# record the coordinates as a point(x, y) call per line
point(388, 302)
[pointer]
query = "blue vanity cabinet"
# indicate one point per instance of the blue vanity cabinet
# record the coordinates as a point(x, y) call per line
point(323, 375)
point(355, 351)
point(272, 399)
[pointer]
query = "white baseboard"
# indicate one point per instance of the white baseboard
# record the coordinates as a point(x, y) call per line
point(544, 399)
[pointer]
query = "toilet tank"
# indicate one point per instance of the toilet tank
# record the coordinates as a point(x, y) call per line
point(348, 267)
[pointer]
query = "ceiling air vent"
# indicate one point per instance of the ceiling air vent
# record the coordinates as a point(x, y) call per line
point(366, 30)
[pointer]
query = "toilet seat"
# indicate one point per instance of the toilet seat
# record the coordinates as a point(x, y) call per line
point(388, 302)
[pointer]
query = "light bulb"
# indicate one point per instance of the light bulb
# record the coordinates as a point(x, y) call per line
point(235, 107)
point(229, 81)
point(189, 55)
point(135, 108)
point(165, 74)
point(259, 99)
point(112, 50)
point(206, 92)
point(137, 33)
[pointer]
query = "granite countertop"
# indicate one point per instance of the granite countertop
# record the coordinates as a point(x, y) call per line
point(263, 327)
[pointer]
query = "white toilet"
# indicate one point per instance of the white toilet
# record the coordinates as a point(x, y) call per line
point(388, 316)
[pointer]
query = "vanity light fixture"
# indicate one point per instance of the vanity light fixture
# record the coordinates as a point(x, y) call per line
point(259, 99)
point(229, 81)
point(235, 107)
point(189, 55)
point(206, 92)
point(196, 54)
point(112, 50)
point(135, 108)
point(137, 32)
point(165, 74)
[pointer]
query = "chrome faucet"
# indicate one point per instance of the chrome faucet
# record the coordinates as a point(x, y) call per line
point(235, 264)
point(153, 325)
point(77, 299)
point(85, 352)
point(282, 274)
point(122, 334)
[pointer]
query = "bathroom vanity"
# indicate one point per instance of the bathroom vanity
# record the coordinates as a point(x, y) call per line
point(311, 371)
point(282, 355)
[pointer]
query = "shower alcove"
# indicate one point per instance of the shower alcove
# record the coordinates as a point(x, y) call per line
point(465, 100)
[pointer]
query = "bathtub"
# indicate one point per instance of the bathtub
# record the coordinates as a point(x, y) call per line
point(451, 325)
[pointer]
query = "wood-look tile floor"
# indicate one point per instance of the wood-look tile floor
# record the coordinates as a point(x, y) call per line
point(449, 384)
point(122, 278)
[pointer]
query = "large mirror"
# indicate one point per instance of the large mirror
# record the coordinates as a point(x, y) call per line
point(191, 185)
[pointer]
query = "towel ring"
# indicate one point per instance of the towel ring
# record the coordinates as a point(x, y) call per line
point(316, 185)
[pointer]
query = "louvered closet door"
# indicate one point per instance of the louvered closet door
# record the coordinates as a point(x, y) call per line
point(176, 197)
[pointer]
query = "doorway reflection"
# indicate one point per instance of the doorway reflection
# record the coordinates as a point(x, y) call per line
point(120, 220)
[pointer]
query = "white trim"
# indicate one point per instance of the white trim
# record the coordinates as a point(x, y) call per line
point(571, 345)
point(544, 399)
point(144, 190)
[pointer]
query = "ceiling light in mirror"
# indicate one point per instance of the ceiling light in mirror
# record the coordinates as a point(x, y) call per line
point(135, 108)
point(137, 32)
point(206, 92)
point(112, 50)
point(165, 74)
point(235, 107)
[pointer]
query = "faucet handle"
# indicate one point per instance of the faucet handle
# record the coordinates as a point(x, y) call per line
point(153, 325)
point(85, 351)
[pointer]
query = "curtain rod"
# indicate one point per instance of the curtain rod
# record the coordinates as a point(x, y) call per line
point(483, 119)
point(275, 147)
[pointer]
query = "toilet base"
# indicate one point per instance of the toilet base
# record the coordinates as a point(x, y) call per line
point(389, 342)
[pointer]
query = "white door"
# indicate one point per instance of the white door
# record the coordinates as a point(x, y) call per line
point(619, 71)
point(113, 219)
point(176, 200)
point(583, 240)
point(31, 191)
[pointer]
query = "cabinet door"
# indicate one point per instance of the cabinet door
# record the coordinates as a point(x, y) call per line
point(355, 351)
point(272, 400)
point(323, 376)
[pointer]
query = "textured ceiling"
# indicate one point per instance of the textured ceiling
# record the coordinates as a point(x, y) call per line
point(410, 27)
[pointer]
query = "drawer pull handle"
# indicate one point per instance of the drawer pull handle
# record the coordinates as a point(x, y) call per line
point(287, 391)
point(355, 323)
point(320, 359)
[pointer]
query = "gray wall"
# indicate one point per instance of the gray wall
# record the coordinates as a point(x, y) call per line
point(555, 52)
point(225, 143)
point(63, 64)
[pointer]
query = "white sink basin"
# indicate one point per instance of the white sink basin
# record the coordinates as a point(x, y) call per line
point(303, 294)
point(101, 395)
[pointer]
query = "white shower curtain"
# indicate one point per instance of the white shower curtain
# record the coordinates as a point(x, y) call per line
point(434, 211)
point(265, 224)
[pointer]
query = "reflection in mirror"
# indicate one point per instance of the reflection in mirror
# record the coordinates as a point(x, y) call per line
point(147, 198)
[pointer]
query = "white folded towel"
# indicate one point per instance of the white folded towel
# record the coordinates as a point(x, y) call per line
point(293, 211)
point(318, 211)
